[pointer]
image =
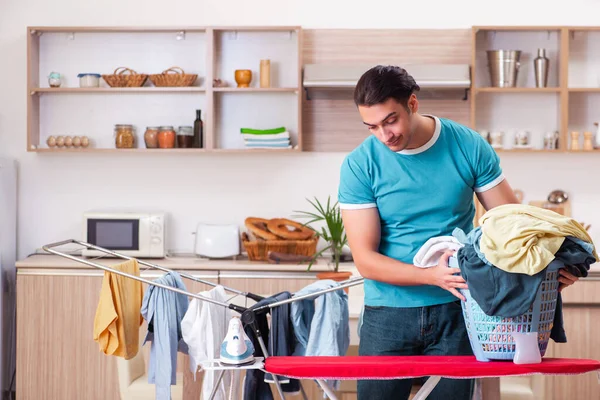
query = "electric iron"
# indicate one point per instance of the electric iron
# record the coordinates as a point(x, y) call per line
point(236, 349)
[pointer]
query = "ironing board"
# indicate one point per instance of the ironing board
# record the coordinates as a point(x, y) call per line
point(399, 367)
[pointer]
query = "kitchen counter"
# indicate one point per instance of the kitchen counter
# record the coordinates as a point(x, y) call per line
point(50, 261)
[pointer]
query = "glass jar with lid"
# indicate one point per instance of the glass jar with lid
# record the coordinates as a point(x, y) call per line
point(166, 137)
point(185, 137)
point(151, 137)
point(124, 137)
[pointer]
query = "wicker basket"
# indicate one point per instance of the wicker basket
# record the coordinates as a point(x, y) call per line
point(120, 79)
point(177, 78)
point(258, 250)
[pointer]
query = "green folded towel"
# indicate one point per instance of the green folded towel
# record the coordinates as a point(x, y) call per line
point(263, 131)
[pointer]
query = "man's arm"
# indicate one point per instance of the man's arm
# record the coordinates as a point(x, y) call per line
point(363, 230)
point(497, 196)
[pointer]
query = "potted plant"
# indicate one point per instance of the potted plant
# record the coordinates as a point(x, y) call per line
point(333, 233)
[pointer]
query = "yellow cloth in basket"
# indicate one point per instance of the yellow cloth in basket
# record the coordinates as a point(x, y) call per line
point(521, 238)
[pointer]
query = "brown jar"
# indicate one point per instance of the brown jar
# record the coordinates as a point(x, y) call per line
point(166, 137)
point(124, 137)
point(151, 137)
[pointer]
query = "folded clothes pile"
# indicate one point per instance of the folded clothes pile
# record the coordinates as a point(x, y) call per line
point(266, 138)
point(505, 260)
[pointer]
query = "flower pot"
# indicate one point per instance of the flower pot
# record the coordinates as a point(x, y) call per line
point(335, 276)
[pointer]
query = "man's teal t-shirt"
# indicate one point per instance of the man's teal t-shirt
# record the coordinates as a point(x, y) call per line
point(419, 194)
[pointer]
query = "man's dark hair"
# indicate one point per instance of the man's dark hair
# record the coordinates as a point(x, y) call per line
point(383, 82)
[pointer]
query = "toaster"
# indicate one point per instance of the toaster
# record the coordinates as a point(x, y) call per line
point(217, 241)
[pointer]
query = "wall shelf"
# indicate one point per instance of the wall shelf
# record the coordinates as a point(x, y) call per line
point(574, 55)
point(105, 90)
point(517, 90)
point(255, 90)
point(209, 52)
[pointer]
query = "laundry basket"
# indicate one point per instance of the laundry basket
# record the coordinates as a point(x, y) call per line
point(491, 337)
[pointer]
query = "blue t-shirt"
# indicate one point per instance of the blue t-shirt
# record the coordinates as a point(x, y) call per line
point(419, 194)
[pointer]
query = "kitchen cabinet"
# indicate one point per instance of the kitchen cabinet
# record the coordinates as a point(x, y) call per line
point(209, 52)
point(56, 304)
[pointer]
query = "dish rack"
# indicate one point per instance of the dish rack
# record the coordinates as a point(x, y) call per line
point(491, 336)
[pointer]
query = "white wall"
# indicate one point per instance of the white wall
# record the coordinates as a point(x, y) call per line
point(56, 188)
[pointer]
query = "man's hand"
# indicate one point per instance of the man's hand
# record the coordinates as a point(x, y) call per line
point(566, 279)
point(443, 276)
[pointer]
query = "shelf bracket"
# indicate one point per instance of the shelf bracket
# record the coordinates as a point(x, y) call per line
point(572, 35)
point(466, 96)
point(180, 35)
point(71, 36)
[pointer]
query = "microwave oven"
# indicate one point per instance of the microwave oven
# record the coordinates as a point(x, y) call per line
point(134, 234)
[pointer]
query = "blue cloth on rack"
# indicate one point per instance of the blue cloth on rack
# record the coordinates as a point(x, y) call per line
point(321, 323)
point(163, 310)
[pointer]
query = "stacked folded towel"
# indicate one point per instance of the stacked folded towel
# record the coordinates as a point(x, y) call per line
point(266, 138)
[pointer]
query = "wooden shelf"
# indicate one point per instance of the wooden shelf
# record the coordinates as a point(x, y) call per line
point(151, 89)
point(255, 90)
point(527, 151)
point(113, 150)
point(162, 151)
point(275, 150)
point(585, 90)
point(209, 51)
point(517, 90)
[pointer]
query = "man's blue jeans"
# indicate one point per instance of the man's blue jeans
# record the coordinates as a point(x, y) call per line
point(434, 330)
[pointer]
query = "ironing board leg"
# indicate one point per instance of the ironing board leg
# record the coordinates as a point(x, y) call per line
point(327, 389)
point(304, 397)
point(216, 387)
point(266, 354)
point(427, 388)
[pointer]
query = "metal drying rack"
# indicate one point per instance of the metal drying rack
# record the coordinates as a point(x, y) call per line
point(247, 315)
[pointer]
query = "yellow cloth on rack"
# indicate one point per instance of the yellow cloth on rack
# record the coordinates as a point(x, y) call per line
point(521, 238)
point(118, 317)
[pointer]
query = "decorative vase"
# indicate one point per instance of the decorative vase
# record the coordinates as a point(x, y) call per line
point(265, 73)
point(243, 77)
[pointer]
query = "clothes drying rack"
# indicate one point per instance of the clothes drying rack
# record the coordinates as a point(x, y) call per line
point(248, 315)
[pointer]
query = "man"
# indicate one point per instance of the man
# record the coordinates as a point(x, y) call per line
point(411, 180)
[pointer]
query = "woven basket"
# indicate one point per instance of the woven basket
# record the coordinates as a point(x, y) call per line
point(177, 78)
point(258, 250)
point(120, 79)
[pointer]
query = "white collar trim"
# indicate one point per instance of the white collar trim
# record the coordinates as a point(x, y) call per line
point(430, 142)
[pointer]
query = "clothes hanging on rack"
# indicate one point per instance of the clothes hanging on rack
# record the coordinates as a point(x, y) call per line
point(163, 310)
point(282, 340)
point(255, 387)
point(118, 319)
point(203, 328)
point(321, 324)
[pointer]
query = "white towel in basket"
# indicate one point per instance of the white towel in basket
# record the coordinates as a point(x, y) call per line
point(429, 254)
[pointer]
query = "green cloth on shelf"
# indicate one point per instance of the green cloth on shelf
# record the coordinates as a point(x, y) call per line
point(263, 131)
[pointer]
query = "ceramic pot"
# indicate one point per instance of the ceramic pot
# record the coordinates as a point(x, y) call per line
point(335, 276)
point(243, 77)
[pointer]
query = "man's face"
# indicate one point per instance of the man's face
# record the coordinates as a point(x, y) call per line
point(390, 122)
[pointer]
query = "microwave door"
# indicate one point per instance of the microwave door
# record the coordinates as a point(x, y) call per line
point(117, 234)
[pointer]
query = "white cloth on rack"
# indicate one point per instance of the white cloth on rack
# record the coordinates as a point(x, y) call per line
point(429, 254)
point(203, 328)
